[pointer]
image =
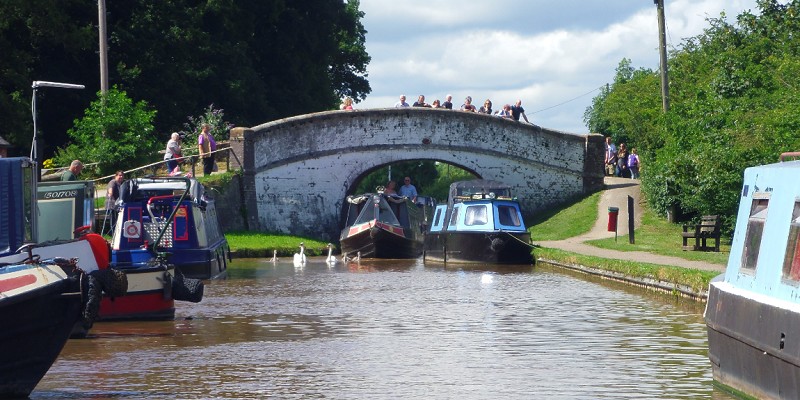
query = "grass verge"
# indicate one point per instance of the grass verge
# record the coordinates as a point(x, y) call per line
point(258, 244)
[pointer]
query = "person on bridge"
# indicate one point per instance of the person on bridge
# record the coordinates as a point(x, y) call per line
point(436, 104)
point(448, 102)
point(408, 190)
point(402, 102)
point(467, 106)
point(517, 110)
point(486, 108)
point(347, 104)
point(71, 174)
point(206, 144)
point(421, 102)
point(505, 112)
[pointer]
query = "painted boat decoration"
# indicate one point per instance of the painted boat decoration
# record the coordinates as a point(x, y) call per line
point(41, 298)
point(480, 224)
point(193, 239)
point(382, 226)
point(753, 309)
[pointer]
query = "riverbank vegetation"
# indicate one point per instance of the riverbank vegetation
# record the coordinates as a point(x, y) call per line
point(259, 60)
point(734, 103)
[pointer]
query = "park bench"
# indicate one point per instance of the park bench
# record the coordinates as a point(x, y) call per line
point(708, 228)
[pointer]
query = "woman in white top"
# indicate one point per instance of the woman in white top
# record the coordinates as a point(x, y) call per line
point(173, 152)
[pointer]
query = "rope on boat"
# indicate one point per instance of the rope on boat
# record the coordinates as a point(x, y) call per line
point(531, 245)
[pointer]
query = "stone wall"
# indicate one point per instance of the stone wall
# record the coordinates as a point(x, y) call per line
point(297, 171)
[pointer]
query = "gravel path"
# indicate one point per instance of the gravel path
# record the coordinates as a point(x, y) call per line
point(616, 195)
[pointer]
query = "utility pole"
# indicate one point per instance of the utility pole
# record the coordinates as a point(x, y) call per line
point(662, 45)
point(101, 16)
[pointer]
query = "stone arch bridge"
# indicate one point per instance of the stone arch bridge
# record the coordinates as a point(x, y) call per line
point(297, 171)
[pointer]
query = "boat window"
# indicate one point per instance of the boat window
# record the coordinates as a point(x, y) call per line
point(437, 217)
point(384, 212)
point(454, 216)
point(791, 262)
point(755, 229)
point(475, 215)
point(508, 216)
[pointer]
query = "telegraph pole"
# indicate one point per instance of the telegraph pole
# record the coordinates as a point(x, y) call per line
point(662, 45)
point(101, 16)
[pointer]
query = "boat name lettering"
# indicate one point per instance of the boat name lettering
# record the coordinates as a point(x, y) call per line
point(60, 194)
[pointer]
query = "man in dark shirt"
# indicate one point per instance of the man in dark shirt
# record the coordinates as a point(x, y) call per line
point(517, 110)
point(448, 102)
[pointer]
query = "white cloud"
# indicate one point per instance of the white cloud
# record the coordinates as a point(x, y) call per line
point(552, 55)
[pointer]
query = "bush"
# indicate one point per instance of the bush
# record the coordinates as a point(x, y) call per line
point(114, 132)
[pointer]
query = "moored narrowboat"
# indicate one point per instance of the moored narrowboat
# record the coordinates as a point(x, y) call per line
point(193, 239)
point(378, 225)
point(480, 224)
point(753, 309)
point(41, 297)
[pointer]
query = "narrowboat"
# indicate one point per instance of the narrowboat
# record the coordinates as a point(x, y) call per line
point(378, 225)
point(166, 239)
point(193, 239)
point(753, 310)
point(41, 297)
point(480, 224)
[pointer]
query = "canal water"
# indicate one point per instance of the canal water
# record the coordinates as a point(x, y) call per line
point(398, 330)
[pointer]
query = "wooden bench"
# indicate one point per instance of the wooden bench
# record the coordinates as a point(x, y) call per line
point(708, 228)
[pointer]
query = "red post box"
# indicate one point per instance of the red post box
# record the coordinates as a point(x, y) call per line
point(613, 213)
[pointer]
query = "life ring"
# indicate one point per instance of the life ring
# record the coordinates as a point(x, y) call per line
point(131, 229)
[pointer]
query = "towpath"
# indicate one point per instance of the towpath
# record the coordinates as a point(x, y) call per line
point(616, 195)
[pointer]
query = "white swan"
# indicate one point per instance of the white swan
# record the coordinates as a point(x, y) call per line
point(274, 258)
point(300, 258)
point(331, 259)
point(357, 258)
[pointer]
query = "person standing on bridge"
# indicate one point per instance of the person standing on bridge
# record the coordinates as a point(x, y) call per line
point(206, 145)
point(421, 102)
point(467, 106)
point(517, 110)
point(448, 102)
point(402, 102)
point(408, 190)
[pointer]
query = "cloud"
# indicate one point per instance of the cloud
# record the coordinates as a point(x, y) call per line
point(552, 55)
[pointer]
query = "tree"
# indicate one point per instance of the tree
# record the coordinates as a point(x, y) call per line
point(114, 132)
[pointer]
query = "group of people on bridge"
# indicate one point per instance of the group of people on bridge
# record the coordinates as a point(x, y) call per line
point(508, 111)
point(621, 162)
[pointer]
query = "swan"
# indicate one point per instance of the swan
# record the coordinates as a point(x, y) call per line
point(331, 259)
point(357, 258)
point(300, 258)
point(274, 258)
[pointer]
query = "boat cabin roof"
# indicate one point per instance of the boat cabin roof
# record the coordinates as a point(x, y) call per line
point(478, 189)
point(149, 187)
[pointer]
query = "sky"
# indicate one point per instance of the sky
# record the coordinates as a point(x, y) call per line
point(552, 55)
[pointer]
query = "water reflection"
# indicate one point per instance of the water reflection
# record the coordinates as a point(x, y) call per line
point(398, 329)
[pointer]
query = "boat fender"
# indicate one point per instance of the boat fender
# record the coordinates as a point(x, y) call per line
point(90, 289)
point(112, 281)
point(167, 279)
point(187, 289)
point(497, 244)
point(100, 248)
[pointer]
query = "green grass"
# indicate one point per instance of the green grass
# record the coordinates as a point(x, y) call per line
point(572, 220)
point(658, 236)
point(258, 244)
point(696, 279)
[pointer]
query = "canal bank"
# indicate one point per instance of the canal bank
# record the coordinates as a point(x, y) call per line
point(670, 274)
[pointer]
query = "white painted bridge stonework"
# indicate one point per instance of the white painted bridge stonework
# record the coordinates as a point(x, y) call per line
point(298, 171)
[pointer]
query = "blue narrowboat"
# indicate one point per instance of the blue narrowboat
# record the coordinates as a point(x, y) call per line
point(192, 239)
point(753, 309)
point(480, 224)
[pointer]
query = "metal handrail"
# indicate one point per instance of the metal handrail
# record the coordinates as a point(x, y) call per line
point(789, 154)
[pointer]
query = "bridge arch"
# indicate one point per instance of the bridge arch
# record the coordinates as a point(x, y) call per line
point(297, 171)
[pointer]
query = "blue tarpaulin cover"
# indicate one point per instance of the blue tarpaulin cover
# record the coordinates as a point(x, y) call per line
point(12, 214)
